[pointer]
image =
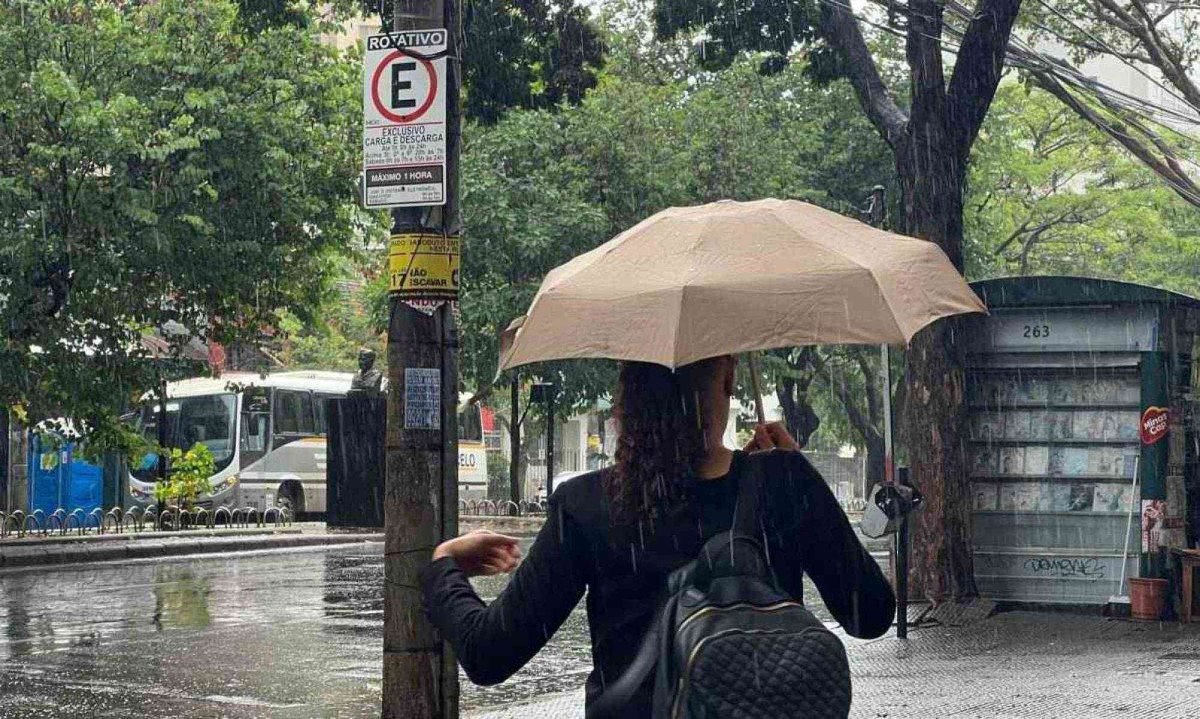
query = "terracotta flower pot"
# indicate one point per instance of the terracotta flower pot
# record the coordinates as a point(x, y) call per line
point(1147, 598)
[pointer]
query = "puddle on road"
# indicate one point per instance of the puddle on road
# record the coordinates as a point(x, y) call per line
point(281, 635)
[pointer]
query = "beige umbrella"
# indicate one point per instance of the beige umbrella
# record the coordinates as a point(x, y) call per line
point(695, 282)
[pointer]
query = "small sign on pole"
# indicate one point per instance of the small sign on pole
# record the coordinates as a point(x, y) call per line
point(423, 270)
point(404, 119)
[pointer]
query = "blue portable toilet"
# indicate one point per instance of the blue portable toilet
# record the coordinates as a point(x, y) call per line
point(58, 479)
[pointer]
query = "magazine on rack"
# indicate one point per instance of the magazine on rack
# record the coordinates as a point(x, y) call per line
point(1008, 497)
point(986, 495)
point(1012, 460)
point(1056, 497)
point(1033, 390)
point(1039, 425)
point(1059, 425)
point(1028, 497)
point(1017, 425)
point(1082, 497)
point(1106, 461)
point(984, 461)
point(1113, 498)
point(987, 425)
point(1062, 391)
point(1037, 460)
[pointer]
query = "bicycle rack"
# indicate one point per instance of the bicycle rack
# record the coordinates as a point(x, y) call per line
point(56, 520)
point(222, 512)
point(114, 515)
point(79, 518)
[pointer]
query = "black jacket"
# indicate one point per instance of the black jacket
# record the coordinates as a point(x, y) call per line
point(623, 572)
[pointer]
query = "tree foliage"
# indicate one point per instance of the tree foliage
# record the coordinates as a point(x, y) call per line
point(1050, 194)
point(540, 188)
point(1154, 43)
point(163, 167)
point(527, 54)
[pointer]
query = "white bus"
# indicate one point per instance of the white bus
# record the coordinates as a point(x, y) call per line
point(268, 438)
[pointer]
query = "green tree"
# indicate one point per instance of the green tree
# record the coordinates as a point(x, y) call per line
point(1050, 194)
point(527, 54)
point(1155, 40)
point(931, 139)
point(525, 204)
point(162, 167)
point(347, 320)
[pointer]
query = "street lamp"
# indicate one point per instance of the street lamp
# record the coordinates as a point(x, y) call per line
point(544, 392)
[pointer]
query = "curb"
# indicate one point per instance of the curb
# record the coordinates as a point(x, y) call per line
point(91, 552)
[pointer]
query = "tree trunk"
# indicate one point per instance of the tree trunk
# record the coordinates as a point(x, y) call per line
point(932, 182)
point(799, 416)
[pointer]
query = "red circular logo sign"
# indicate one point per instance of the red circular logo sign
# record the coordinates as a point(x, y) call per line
point(425, 104)
point(1154, 424)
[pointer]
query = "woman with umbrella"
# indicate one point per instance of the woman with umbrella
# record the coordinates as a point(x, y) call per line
point(668, 298)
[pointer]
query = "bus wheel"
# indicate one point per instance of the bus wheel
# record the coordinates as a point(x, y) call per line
point(290, 497)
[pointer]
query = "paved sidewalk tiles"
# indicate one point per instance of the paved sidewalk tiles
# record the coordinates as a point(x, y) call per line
point(1014, 665)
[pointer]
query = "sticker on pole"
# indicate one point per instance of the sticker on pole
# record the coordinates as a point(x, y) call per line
point(423, 269)
point(422, 398)
point(404, 119)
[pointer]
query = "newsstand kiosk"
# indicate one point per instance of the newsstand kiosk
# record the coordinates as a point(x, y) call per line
point(1081, 429)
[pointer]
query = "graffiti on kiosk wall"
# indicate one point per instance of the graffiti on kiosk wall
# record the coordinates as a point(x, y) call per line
point(1087, 568)
point(1067, 567)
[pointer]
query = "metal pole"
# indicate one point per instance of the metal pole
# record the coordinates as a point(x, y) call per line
point(5, 464)
point(550, 440)
point(420, 675)
point(162, 430)
point(514, 444)
point(900, 540)
point(876, 215)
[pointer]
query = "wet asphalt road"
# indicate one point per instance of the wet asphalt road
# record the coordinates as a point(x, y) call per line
point(277, 634)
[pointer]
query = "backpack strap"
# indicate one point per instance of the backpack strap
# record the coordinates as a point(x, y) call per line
point(614, 699)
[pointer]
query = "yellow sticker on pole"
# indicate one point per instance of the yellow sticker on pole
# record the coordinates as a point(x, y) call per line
point(423, 266)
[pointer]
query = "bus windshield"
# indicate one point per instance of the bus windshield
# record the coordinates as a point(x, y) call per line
point(206, 419)
point(470, 424)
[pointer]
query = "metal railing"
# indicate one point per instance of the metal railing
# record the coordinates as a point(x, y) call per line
point(136, 520)
point(503, 508)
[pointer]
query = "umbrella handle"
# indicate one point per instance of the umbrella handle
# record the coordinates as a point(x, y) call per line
point(758, 403)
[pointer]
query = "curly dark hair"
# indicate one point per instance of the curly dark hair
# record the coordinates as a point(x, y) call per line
point(662, 439)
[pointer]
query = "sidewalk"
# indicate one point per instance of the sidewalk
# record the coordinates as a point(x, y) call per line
point(1015, 665)
point(55, 549)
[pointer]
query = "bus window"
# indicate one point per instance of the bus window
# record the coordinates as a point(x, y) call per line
point(202, 419)
point(256, 428)
point(254, 432)
point(293, 413)
point(470, 424)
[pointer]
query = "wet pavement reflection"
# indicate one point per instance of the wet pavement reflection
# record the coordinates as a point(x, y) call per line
point(277, 634)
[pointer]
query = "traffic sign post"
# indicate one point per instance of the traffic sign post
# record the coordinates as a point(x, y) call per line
point(412, 113)
point(404, 119)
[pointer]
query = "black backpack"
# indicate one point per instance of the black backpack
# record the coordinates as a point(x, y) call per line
point(728, 642)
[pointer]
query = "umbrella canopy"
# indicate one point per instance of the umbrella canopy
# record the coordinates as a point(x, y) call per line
point(695, 282)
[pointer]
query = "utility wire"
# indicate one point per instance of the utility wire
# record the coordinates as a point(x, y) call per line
point(1021, 56)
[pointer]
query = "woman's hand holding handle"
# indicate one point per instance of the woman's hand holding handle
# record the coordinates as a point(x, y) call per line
point(770, 436)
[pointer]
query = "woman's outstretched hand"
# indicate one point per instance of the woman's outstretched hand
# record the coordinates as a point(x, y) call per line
point(481, 552)
point(770, 436)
